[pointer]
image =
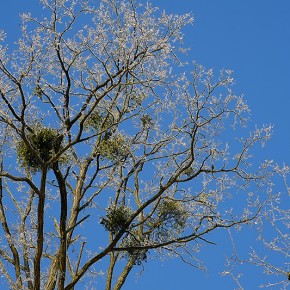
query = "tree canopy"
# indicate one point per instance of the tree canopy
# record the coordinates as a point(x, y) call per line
point(115, 151)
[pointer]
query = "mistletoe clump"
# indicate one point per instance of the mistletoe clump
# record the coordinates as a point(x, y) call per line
point(99, 122)
point(44, 144)
point(116, 218)
point(113, 147)
point(134, 250)
point(146, 121)
point(172, 213)
point(170, 218)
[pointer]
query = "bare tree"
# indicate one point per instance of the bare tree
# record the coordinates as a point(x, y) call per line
point(114, 149)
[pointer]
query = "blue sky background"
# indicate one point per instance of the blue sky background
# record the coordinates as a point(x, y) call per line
point(252, 38)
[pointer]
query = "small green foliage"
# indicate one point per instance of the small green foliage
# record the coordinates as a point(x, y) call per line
point(116, 217)
point(136, 100)
point(37, 91)
point(94, 121)
point(99, 122)
point(171, 218)
point(113, 147)
point(146, 120)
point(172, 213)
point(137, 255)
point(45, 142)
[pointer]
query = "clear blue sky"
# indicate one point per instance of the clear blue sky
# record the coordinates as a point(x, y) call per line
point(252, 37)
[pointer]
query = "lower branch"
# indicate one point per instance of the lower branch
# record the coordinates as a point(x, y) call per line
point(123, 276)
